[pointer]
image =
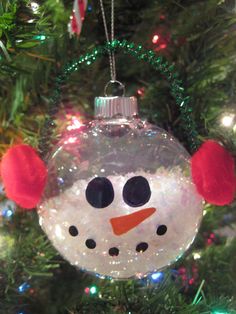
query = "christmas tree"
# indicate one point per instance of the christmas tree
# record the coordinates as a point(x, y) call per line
point(193, 38)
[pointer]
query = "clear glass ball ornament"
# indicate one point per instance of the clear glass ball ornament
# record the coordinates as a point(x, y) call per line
point(120, 201)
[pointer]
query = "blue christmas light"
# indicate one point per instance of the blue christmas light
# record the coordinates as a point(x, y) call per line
point(157, 277)
point(7, 212)
point(60, 180)
point(90, 8)
point(8, 209)
point(23, 287)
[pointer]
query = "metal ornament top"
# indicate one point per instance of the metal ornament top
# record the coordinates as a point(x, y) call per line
point(108, 107)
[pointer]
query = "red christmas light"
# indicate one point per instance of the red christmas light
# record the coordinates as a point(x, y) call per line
point(163, 46)
point(141, 91)
point(212, 236)
point(182, 270)
point(155, 39)
point(209, 241)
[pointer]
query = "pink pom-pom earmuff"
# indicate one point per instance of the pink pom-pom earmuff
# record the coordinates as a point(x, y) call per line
point(24, 175)
point(213, 172)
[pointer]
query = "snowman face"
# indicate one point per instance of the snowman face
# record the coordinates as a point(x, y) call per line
point(123, 225)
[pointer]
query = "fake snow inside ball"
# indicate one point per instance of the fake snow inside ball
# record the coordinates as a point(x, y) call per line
point(120, 201)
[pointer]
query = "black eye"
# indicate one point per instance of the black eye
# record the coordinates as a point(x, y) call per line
point(73, 231)
point(136, 191)
point(99, 192)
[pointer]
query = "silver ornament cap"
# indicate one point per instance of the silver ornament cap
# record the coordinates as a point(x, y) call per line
point(110, 106)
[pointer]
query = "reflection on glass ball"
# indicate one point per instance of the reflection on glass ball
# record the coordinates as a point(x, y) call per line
point(119, 200)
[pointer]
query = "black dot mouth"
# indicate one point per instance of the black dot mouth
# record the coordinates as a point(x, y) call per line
point(161, 230)
point(73, 231)
point(141, 247)
point(90, 243)
point(114, 251)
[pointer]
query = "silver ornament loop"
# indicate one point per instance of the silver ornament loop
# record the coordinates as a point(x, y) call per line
point(122, 87)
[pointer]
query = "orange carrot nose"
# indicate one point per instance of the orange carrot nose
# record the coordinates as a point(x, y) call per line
point(125, 223)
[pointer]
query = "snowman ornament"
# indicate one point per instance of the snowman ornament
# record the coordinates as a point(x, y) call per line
point(119, 200)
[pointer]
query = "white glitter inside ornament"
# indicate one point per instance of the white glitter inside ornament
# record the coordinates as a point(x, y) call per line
point(138, 170)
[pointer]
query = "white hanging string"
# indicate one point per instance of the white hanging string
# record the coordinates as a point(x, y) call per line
point(112, 38)
point(111, 54)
